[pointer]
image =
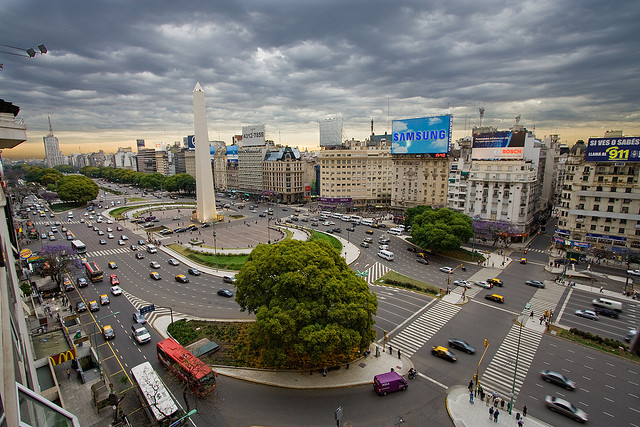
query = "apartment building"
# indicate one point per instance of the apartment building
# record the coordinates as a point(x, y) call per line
point(599, 209)
point(356, 175)
point(282, 176)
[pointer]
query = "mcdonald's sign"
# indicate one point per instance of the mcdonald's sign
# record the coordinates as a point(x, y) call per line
point(63, 357)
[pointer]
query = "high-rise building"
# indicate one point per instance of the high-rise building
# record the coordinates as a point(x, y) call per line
point(146, 160)
point(53, 155)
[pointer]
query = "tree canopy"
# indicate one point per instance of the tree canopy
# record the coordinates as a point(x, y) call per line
point(311, 309)
point(77, 188)
point(411, 213)
point(441, 229)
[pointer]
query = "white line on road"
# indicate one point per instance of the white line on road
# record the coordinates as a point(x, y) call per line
point(432, 380)
point(606, 413)
point(634, 409)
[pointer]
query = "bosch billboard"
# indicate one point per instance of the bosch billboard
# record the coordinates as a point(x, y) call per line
point(625, 149)
point(498, 145)
point(426, 135)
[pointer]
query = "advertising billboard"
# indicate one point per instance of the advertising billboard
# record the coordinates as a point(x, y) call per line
point(330, 132)
point(253, 136)
point(426, 135)
point(498, 145)
point(191, 142)
point(232, 154)
point(140, 143)
point(625, 149)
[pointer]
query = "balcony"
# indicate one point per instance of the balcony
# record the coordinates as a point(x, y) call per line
point(12, 131)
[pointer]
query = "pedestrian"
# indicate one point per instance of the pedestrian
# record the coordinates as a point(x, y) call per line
point(601, 289)
point(495, 416)
point(502, 404)
point(471, 398)
point(398, 353)
point(68, 373)
point(520, 423)
point(470, 386)
point(495, 403)
point(488, 398)
point(524, 411)
point(390, 350)
point(531, 315)
point(491, 412)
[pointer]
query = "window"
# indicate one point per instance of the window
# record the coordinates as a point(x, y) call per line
point(593, 227)
point(607, 228)
point(609, 209)
point(620, 230)
point(596, 207)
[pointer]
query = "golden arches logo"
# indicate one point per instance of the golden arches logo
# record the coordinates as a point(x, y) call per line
point(63, 357)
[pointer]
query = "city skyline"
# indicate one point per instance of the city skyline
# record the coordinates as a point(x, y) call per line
point(565, 68)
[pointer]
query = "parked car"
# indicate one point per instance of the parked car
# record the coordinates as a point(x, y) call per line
point(461, 345)
point(535, 283)
point(557, 378)
point(566, 408)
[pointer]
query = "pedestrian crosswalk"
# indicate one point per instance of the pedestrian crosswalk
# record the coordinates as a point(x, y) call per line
point(376, 271)
point(545, 299)
point(102, 253)
point(512, 360)
point(138, 303)
point(415, 335)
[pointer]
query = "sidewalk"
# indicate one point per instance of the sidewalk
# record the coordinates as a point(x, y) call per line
point(463, 413)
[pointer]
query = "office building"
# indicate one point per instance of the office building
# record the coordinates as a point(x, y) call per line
point(282, 176)
point(53, 155)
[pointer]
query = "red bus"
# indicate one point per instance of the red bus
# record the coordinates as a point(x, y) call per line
point(196, 374)
point(94, 273)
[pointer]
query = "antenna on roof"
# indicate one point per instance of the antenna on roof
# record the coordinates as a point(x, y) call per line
point(50, 127)
point(481, 110)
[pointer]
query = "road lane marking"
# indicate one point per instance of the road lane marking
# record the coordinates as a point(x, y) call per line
point(588, 367)
point(606, 413)
point(584, 389)
point(586, 378)
point(611, 375)
point(634, 409)
point(612, 388)
point(432, 380)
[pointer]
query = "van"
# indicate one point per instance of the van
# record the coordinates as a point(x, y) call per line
point(388, 255)
point(395, 231)
point(607, 303)
point(367, 221)
point(152, 249)
point(389, 382)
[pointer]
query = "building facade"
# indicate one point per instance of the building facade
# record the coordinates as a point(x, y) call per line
point(282, 176)
point(250, 160)
point(146, 160)
point(53, 155)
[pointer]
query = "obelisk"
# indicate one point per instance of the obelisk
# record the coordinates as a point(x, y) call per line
point(205, 194)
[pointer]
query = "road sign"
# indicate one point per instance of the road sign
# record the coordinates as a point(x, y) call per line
point(147, 309)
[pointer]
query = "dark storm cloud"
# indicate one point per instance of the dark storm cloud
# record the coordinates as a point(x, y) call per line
point(131, 66)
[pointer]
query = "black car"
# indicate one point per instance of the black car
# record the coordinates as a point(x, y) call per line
point(423, 261)
point(607, 312)
point(337, 230)
point(80, 307)
point(535, 283)
point(193, 271)
point(412, 249)
point(351, 229)
point(225, 293)
point(461, 345)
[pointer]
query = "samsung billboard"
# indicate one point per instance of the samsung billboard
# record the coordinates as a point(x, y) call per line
point(253, 136)
point(426, 135)
point(625, 149)
point(498, 145)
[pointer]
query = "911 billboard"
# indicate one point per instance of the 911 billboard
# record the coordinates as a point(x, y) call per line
point(613, 149)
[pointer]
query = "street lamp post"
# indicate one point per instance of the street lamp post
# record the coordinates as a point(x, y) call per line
point(515, 370)
point(188, 415)
point(215, 251)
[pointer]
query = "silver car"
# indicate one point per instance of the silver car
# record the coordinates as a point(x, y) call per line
point(566, 408)
point(587, 314)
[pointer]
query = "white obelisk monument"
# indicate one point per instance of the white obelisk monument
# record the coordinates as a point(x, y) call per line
point(205, 195)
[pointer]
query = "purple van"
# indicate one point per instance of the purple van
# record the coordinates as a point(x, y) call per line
point(389, 382)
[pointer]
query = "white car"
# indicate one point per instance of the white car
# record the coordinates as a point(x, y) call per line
point(116, 290)
point(326, 223)
point(462, 283)
point(121, 242)
point(109, 229)
point(109, 221)
point(482, 284)
point(446, 269)
point(634, 272)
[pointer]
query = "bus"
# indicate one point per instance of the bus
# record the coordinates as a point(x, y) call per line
point(78, 246)
point(198, 376)
point(157, 401)
point(94, 273)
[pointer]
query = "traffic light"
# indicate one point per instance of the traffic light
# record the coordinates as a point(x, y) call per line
point(486, 342)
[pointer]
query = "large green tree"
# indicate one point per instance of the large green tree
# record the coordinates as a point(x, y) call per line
point(411, 213)
point(77, 188)
point(441, 229)
point(311, 309)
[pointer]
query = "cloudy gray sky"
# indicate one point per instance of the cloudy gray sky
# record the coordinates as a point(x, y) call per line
point(121, 70)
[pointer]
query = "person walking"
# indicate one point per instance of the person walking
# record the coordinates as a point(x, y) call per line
point(601, 289)
point(524, 411)
point(470, 386)
point(491, 412)
point(495, 415)
point(471, 398)
point(68, 373)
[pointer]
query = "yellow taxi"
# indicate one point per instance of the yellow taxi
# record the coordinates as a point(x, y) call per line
point(443, 352)
point(104, 299)
point(523, 260)
point(108, 332)
point(495, 297)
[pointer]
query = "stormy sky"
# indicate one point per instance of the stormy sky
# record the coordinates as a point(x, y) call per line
point(119, 70)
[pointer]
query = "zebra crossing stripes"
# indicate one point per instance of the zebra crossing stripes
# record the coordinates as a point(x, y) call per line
point(425, 326)
point(376, 271)
point(106, 252)
point(151, 317)
point(545, 299)
point(499, 375)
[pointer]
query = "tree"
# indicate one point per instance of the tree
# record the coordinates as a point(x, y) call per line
point(185, 182)
point(91, 171)
point(411, 213)
point(77, 188)
point(441, 229)
point(50, 176)
point(64, 168)
point(494, 230)
point(311, 309)
point(152, 181)
point(56, 259)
